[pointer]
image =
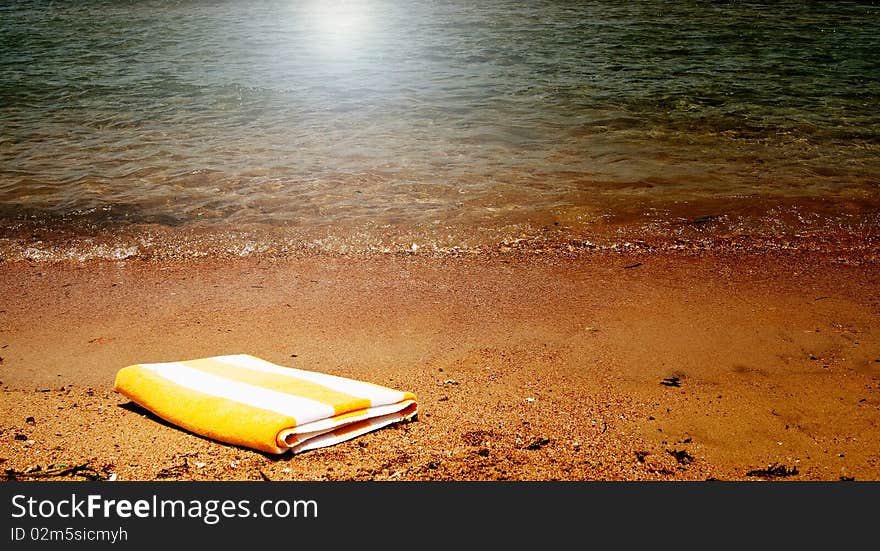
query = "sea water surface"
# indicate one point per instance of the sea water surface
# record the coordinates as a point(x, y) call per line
point(185, 127)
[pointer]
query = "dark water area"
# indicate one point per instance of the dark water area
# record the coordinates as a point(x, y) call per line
point(165, 128)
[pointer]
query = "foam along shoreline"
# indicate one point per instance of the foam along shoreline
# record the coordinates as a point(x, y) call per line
point(532, 367)
point(860, 239)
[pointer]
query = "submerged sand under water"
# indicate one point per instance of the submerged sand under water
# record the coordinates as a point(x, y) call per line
point(850, 226)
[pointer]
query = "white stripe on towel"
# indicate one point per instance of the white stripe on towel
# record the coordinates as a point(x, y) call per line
point(376, 394)
point(303, 410)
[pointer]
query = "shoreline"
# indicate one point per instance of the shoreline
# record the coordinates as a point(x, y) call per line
point(848, 226)
point(160, 245)
point(631, 365)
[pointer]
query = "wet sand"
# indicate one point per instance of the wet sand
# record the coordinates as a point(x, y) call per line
point(596, 366)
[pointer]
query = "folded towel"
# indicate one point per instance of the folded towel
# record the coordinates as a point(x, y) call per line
point(250, 402)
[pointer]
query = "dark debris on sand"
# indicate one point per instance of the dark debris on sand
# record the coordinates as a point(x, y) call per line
point(84, 470)
point(681, 456)
point(775, 470)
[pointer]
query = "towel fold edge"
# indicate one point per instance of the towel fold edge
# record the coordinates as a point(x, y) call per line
point(354, 429)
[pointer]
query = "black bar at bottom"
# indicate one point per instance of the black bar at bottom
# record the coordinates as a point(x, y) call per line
point(465, 514)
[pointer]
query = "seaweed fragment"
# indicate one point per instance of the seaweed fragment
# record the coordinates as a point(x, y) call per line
point(83, 470)
point(775, 470)
point(537, 444)
point(682, 456)
point(174, 470)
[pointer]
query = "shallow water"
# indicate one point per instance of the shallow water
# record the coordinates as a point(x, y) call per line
point(374, 122)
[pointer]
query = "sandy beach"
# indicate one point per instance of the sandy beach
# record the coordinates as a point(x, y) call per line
point(594, 366)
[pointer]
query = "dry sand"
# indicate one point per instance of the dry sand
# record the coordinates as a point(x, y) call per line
point(526, 367)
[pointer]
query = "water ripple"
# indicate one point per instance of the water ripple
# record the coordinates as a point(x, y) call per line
point(405, 113)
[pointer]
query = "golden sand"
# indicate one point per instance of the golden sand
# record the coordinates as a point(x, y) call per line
point(597, 367)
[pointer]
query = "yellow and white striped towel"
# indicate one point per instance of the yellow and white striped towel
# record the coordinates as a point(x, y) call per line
point(250, 402)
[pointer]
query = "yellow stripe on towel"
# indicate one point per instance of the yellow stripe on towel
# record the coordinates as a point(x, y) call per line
point(341, 402)
point(250, 402)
